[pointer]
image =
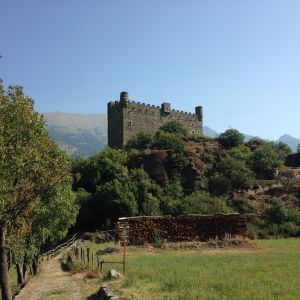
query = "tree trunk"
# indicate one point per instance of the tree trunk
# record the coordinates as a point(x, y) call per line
point(20, 273)
point(4, 275)
point(24, 271)
point(35, 265)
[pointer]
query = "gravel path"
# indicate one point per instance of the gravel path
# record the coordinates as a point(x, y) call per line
point(53, 283)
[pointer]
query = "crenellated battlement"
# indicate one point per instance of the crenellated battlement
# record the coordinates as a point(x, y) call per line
point(127, 118)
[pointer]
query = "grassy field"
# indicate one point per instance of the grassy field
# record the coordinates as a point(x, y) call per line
point(271, 272)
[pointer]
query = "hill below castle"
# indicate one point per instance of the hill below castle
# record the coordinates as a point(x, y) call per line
point(84, 135)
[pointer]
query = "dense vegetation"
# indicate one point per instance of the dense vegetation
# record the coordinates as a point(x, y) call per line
point(37, 205)
point(117, 183)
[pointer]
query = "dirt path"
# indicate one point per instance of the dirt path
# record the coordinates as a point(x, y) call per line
point(53, 283)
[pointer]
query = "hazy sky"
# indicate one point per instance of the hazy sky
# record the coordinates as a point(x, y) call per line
point(240, 60)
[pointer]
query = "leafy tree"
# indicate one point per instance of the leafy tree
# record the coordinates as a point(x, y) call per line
point(168, 141)
point(282, 150)
point(298, 148)
point(170, 202)
point(115, 199)
point(32, 168)
point(231, 138)
point(265, 162)
point(174, 127)
point(140, 142)
point(99, 169)
point(145, 191)
point(219, 184)
point(277, 213)
point(233, 175)
point(242, 153)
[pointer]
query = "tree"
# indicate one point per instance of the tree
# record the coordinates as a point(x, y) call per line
point(265, 162)
point(32, 169)
point(233, 175)
point(140, 142)
point(231, 138)
point(298, 148)
point(99, 169)
point(282, 150)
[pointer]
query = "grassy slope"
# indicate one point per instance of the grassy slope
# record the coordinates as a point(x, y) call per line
point(270, 273)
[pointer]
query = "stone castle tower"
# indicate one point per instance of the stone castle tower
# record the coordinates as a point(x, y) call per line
point(128, 118)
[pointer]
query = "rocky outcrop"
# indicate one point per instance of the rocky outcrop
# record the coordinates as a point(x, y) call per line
point(155, 165)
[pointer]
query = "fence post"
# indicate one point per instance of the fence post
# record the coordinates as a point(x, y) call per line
point(98, 263)
point(101, 266)
point(92, 261)
point(88, 255)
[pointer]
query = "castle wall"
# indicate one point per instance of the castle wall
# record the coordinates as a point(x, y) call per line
point(128, 118)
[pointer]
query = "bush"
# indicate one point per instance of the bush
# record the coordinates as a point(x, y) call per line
point(140, 142)
point(157, 239)
point(174, 127)
point(230, 138)
point(198, 138)
point(265, 162)
point(202, 202)
point(277, 213)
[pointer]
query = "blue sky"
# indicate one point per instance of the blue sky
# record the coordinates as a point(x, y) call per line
point(240, 60)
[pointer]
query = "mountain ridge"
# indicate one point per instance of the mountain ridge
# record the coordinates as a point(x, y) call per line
point(86, 134)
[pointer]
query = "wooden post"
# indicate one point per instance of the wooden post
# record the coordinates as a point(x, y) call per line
point(101, 266)
point(124, 256)
point(92, 261)
point(88, 255)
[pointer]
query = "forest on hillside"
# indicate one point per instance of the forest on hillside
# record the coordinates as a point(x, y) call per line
point(175, 173)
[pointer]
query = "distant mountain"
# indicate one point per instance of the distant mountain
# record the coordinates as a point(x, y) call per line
point(78, 134)
point(210, 132)
point(87, 134)
point(291, 141)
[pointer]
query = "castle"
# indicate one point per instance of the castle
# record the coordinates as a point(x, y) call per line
point(128, 118)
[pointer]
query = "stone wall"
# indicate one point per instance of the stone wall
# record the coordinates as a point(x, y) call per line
point(184, 228)
point(128, 118)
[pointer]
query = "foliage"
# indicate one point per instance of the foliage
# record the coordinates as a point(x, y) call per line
point(230, 138)
point(140, 142)
point(174, 127)
point(233, 175)
point(198, 138)
point(265, 162)
point(282, 150)
point(145, 191)
point(298, 148)
point(168, 140)
point(99, 169)
point(219, 184)
point(202, 202)
point(157, 239)
point(35, 183)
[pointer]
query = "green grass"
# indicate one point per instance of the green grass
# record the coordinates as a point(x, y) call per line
point(272, 272)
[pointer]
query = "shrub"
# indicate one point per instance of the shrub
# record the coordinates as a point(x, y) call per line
point(157, 239)
point(265, 162)
point(230, 138)
point(174, 127)
point(141, 141)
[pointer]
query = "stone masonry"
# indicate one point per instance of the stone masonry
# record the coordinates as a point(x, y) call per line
point(128, 118)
